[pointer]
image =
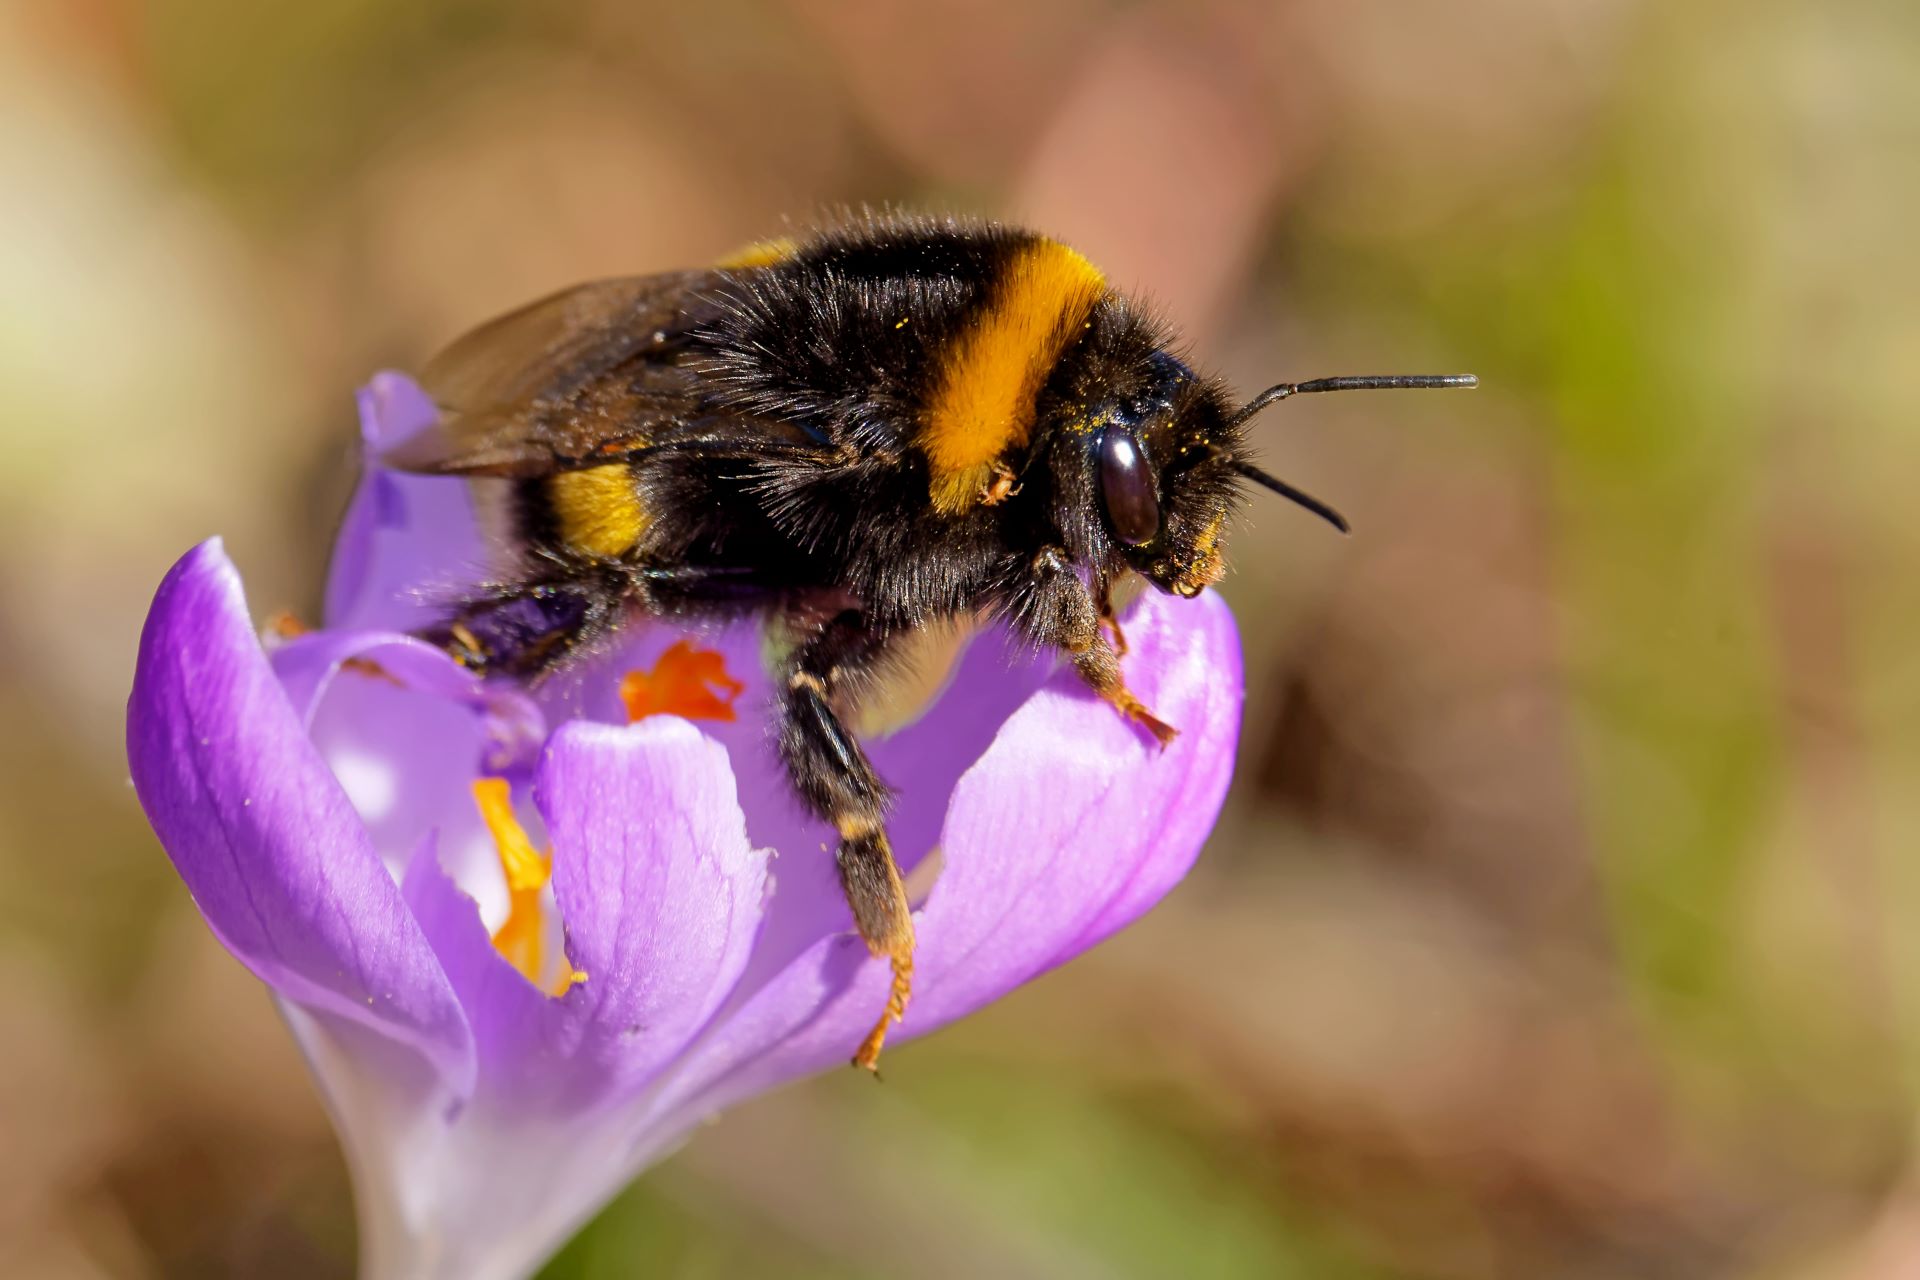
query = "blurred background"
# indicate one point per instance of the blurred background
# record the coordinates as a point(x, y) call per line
point(1564, 920)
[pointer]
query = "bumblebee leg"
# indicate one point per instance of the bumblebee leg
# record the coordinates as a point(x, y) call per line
point(832, 774)
point(526, 628)
point(1109, 623)
point(1058, 610)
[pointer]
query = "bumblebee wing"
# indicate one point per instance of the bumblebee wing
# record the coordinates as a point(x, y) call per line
point(589, 371)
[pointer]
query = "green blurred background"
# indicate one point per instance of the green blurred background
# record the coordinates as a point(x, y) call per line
point(1562, 921)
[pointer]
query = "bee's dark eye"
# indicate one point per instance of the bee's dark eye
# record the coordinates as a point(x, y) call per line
point(1127, 489)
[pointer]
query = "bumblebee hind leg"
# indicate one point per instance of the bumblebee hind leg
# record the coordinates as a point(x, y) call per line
point(835, 779)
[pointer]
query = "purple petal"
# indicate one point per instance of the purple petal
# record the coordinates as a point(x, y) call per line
point(660, 893)
point(408, 542)
point(513, 727)
point(1071, 825)
point(922, 761)
point(267, 842)
point(659, 889)
point(515, 1026)
point(406, 749)
point(308, 664)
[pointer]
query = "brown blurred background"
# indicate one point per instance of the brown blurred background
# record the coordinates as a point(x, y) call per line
point(1565, 917)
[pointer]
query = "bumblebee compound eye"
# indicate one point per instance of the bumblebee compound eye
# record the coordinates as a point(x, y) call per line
point(1127, 489)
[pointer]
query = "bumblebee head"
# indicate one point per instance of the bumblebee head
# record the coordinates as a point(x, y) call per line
point(1169, 461)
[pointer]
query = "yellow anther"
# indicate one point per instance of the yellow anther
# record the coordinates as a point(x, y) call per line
point(521, 937)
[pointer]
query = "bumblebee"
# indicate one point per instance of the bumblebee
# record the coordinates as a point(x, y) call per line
point(872, 428)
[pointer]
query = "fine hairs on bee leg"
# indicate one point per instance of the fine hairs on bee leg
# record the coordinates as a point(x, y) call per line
point(1099, 666)
point(1057, 610)
point(835, 779)
point(871, 881)
point(1110, 622)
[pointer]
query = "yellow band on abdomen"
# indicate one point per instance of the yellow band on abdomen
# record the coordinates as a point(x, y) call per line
point(597, 509)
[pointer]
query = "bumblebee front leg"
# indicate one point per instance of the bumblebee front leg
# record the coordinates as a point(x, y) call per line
point(1059, 610)
point(832, 774)
point(1109, 622)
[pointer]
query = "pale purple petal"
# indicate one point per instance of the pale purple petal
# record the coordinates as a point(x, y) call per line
point(408, 543)
point(307, 666)
point(407, 758)
point(660, 894)
point(655, 880)
point(1070, 826)
point(513, 728)
point(272, 851)
point(512, 1021)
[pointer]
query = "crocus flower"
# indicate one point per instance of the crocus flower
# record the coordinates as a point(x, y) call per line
point(528, 941)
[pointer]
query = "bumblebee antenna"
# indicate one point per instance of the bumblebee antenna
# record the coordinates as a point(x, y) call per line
point(1292, 494)
point(1273, 395)
point(1379, 382)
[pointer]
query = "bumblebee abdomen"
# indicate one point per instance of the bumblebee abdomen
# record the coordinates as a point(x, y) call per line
point(594, 511)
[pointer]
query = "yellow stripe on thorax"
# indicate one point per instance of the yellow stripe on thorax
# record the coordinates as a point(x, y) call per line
point(761, 253)
point(983, 398)
point(597, 509)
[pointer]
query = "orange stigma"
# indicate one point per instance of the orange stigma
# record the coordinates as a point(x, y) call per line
point(688, 682)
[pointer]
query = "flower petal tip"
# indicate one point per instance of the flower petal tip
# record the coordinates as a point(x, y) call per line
point(392, 408)
point(261, 832)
